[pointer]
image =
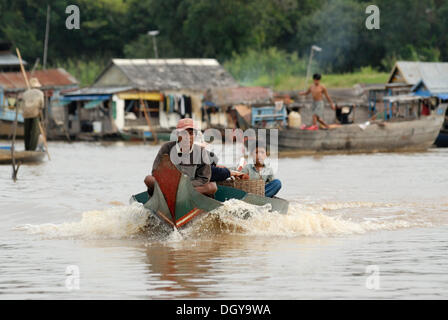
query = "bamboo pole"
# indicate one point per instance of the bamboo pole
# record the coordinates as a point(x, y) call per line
point(47, 34)
point(23, 68)
point(41, 116)
point(15, 169)
point(148, 121)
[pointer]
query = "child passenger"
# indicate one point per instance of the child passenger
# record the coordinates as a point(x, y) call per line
point(261, 170)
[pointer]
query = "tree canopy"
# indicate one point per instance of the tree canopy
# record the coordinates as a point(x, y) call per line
point(222, 29)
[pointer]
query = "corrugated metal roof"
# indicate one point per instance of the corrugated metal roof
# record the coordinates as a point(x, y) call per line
point(434, 74)
point(51, 78)
point(9, 59)
point(171, 74)
point(97, 91)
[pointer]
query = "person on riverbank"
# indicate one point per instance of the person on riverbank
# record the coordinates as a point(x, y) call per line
point(318, 91)
point(259, 169)
point(32, 104)
point(190, 159)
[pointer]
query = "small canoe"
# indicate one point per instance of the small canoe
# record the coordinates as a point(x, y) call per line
point(176, 202)
point(21, 156)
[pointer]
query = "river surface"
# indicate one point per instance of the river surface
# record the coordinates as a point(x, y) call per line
point(367, 226)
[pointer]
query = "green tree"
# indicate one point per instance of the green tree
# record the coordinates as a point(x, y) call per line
point(225, 29)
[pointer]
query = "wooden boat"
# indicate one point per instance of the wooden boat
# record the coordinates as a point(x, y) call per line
point(176, 202)
point(21, 156)
point(442, 139)
point(141, 135)
point(6, 129)
point(378, 136)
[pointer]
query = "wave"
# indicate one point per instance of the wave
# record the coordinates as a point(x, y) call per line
point(300, 221)
point(115, 223)
point(306, 220)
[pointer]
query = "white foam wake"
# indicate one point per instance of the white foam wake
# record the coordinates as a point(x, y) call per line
point(235, 217)
point(300, 221)
point(116, 222)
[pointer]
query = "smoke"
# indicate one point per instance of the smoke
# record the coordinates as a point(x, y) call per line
point(336, 28)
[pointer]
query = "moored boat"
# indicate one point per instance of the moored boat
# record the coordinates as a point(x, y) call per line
point(442, 139)
point(7, 124)
point(176, 202)
point(373, 136)
point(144, 135)
point(21, 156)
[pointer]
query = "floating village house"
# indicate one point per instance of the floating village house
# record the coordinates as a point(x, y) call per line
point(12, 85)
point(244, 107)
point(424, 79)
point(137, 97)
point(8, 61)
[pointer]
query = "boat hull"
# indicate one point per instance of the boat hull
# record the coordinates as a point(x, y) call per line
point(145, 135)
point(442, 139)
point(6, 129)
point(176, 202)
point(410, 135)
point(21, 156)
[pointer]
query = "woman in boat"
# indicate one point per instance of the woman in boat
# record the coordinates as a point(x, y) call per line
point(189, 158)
point(261, 170)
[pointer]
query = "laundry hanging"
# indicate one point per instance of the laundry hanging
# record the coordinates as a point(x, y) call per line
point(188, 106)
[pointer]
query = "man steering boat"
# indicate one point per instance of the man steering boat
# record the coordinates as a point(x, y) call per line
point(188, 157)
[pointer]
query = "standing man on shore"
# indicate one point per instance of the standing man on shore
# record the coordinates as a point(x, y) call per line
point(318, 90)
point(32, 104)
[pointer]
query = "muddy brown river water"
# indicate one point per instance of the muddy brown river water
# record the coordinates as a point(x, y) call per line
point(359, 226)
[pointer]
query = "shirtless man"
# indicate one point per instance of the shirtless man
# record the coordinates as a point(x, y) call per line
point(318, 90)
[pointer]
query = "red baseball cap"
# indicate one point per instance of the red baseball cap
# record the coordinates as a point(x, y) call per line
point(185, 124)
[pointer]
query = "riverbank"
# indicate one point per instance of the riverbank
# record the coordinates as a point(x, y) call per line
point(346, 80)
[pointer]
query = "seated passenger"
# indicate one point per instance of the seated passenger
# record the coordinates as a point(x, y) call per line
point(261, 170)
point(188, 154)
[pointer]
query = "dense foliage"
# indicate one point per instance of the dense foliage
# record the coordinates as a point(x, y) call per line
point(235, 31)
